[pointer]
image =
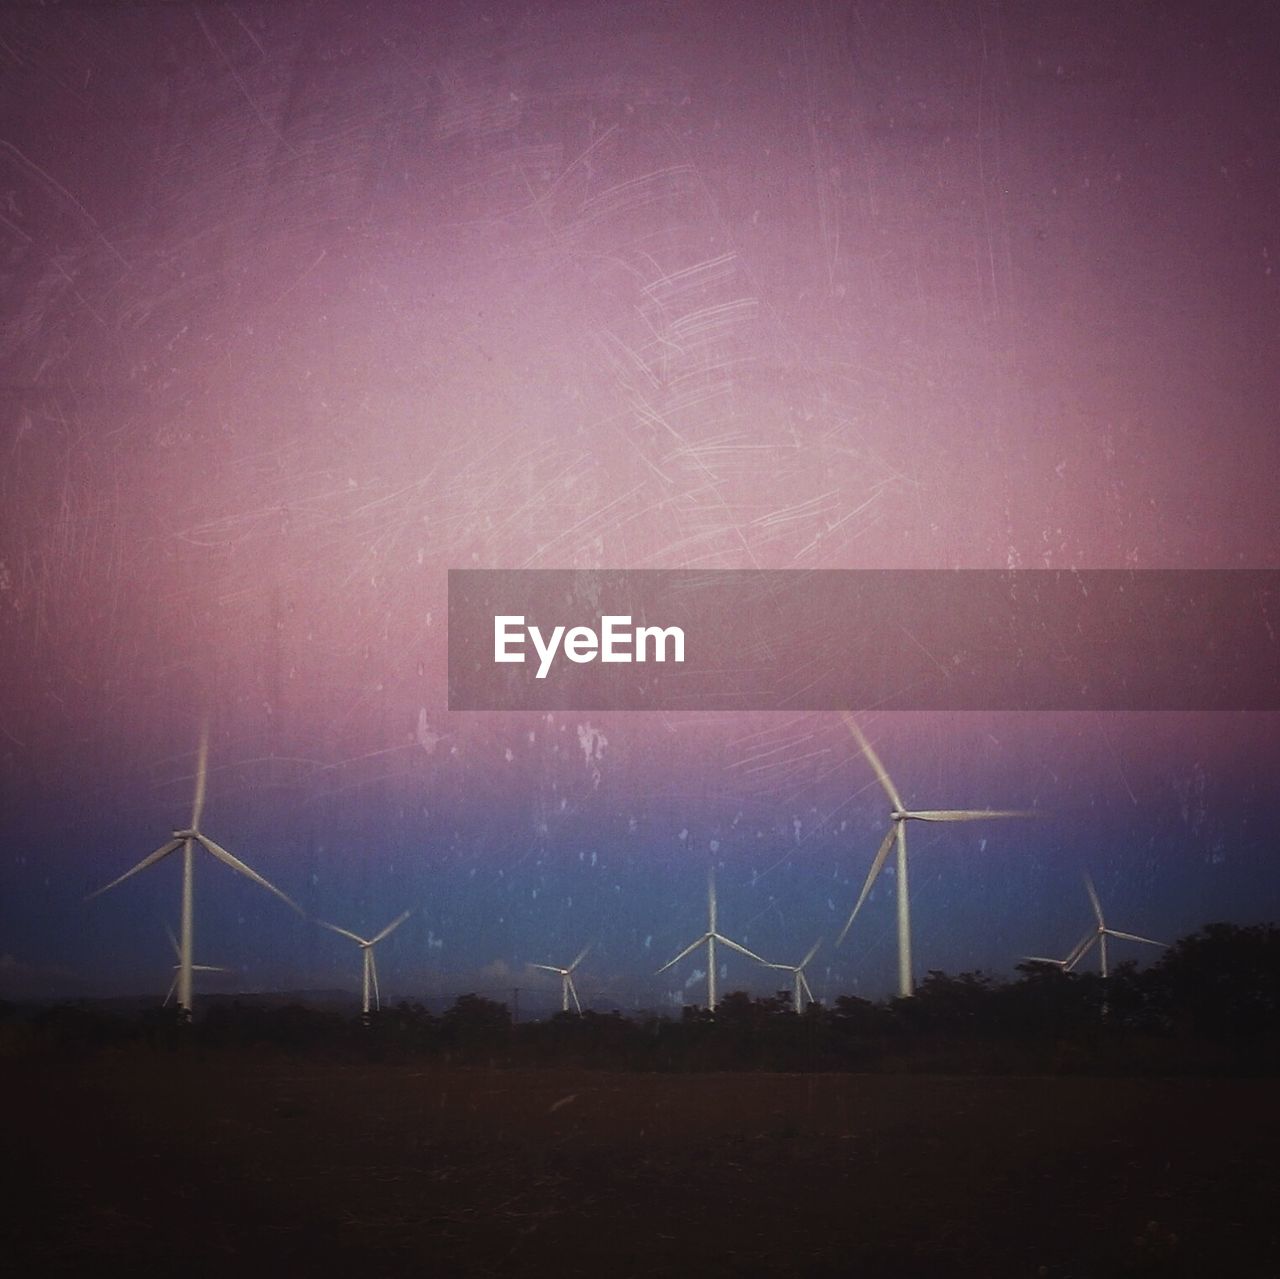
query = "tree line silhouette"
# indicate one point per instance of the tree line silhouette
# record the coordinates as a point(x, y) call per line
point(1211, 1003)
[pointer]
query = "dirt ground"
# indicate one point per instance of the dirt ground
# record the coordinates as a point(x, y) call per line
point(249, 1165)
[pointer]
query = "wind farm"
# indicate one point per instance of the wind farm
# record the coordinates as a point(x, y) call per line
point(713, 943)
point(611, 570)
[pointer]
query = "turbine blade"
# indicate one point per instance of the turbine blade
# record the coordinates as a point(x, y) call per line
point(548, 968)
point(173, 989)
point(1080, 947)
point(742, 950)
point(333, 928)
point(876, 867)
point(1080, 952)
point(582, 954)
point(813, 950)
point(711, 899)
point(202, 776)
point(1044, 959)
point(247, 871)
point(173, 941)
point(966, 814)
point(688, 950)
point(1112, 932)
point(390, 928)
point(1093, 899)
point(373, 972)
point(573, 990)
point(804, 985)
point(874, 760)
point(208, 968)
point(149, 860)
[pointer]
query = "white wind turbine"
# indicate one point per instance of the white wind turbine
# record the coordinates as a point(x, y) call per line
point(567, 987)
point(187, 839)
point(801, 982)
point(177, 968)
point(709, 939)
point(899, 816)
point(1097, 936)
point(366, 944)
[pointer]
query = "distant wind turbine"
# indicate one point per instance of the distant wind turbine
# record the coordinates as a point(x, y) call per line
point(899, 816)
point(177, 968)
point(709, 939)
point(801, 982)
point(1097, 936)
point(366, 944)
point(187, 839)
point(567, 987)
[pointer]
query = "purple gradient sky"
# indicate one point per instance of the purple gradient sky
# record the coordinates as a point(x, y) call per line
point(304, 304)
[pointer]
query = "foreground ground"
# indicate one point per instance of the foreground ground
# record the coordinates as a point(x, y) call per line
point(248, 1164)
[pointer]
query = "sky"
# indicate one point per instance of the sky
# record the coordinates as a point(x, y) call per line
point(303, 304)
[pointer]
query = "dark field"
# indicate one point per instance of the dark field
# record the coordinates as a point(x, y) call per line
point(247, 1164)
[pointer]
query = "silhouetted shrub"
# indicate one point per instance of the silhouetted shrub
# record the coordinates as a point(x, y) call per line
point(476, 1025)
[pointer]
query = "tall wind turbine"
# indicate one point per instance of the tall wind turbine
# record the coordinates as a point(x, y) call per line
point(801, 982)
point(1098, 935)
point(366, 944)
point(187, 839)
point(177, 968)
point(709, 939)
point(567, 987)
point(899, 816)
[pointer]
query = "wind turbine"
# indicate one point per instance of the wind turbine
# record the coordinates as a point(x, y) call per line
point(802, 984)
point(1097, 936)
point(567, 987)
point(187, 839)
point(366, 944)
point(177, 968)
point(710, 937)
point(899, 816)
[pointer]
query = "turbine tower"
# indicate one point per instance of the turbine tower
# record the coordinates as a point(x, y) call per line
point(567, 987)
point(187, 839)
point(177, 968)
point(899, 816)
point(370, 966)
point(801, 982)
point(709, 939)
